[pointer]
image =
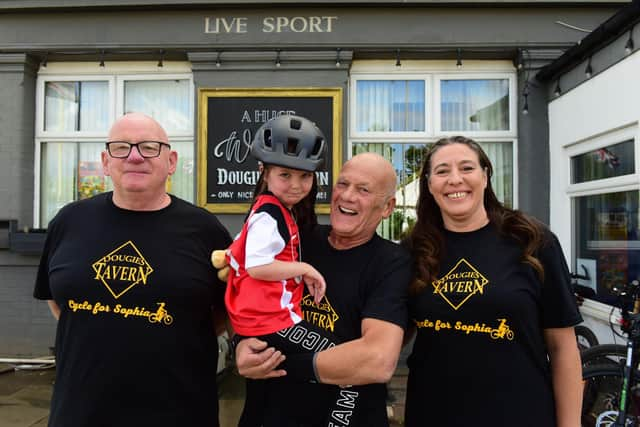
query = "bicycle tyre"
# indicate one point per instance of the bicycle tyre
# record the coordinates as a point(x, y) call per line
point(604, 354)
point(601, 393)
point(585, 337)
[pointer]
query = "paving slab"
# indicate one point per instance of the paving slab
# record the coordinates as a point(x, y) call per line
point(25, 397)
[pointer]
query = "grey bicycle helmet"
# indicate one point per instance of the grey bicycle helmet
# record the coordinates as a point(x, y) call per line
point(290, 141)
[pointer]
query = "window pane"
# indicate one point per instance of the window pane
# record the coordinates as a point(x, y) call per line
point(607, 238)
point(167, 101)
point(57, 178)
point(181, 183)
point(94, 106)
point(390, 106)
point(91, 179)
point(407, 160)
point(76, 106)
point(606, 162)
point(70, 171)
point(474, 105)
point(501, 156)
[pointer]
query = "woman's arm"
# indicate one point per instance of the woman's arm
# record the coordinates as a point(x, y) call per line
point(566, 373)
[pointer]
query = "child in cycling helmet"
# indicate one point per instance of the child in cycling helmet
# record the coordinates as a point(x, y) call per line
point(264, 288)
point(265, 284)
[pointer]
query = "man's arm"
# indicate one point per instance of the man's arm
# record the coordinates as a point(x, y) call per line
point(372, 358)
point(55, 310)
point(254, 360)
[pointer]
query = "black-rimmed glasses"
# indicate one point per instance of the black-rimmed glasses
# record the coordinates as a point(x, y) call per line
point(147, 149)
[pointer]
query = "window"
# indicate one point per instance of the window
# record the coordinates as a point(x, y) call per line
point(604, 162)
point(399, 114)
point(75, 111)
point(606, 230)
point(76, 106)
point(604, 193)
point(474, 105)
point(390, 105)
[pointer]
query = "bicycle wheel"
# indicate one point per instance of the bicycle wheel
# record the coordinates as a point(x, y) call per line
point(604, 354)
point(601, 396)
point(585, 337)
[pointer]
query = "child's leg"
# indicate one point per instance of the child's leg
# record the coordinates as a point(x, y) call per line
point(305, 339)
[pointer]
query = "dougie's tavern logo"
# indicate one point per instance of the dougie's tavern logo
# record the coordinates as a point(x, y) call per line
point(322, 315)
point(122, 269)
point(459, 284)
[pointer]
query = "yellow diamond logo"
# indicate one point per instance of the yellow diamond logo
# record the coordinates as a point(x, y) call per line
point(323, 315)
point(461, 283)
point(122, 269)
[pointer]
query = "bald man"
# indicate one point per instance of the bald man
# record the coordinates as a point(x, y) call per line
point(364, 307)
point(127, 274)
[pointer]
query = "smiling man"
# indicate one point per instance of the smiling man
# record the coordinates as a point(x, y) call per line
point(127, 274)
point(364, 307)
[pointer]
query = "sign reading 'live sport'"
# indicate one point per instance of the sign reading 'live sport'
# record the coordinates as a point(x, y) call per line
point(229, 118)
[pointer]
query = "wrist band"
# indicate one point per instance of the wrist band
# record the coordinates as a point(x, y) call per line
point(301, 367)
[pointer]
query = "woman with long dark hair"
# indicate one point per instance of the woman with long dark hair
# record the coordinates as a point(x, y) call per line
point(491, 304)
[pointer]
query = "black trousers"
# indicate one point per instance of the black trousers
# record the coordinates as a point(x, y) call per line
point(302, 338)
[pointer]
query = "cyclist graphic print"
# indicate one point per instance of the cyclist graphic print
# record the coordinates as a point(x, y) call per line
point(479, 334)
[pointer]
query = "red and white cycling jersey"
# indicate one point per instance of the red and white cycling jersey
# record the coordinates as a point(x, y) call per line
point(258, 307)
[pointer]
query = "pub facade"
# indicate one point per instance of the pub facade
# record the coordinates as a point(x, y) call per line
point(389, 77)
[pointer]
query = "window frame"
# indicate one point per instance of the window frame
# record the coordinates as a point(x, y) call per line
point(432, 72)
point(513, 101)
point(604, 185)
point(116, 75)
point(618, 184)
point(353, 111)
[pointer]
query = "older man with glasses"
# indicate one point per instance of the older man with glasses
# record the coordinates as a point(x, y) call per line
point(127, 274)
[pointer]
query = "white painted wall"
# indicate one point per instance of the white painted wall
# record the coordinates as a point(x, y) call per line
point(601, 111)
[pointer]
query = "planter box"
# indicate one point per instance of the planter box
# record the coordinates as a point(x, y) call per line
point(28, 242)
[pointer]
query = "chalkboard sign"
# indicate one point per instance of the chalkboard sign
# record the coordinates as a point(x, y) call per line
point(228, 119)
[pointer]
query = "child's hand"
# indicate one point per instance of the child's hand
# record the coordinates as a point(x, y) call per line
point(315, 284)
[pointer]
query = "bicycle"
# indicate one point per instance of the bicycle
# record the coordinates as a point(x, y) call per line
point(604, 354)
point(611, 394)
point(584, 336)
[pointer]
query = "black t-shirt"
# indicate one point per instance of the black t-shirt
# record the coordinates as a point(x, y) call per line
point(368, 281)
point(135, 343)
point(479, 357)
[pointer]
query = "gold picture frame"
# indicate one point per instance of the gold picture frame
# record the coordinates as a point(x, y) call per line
point(227, 119)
